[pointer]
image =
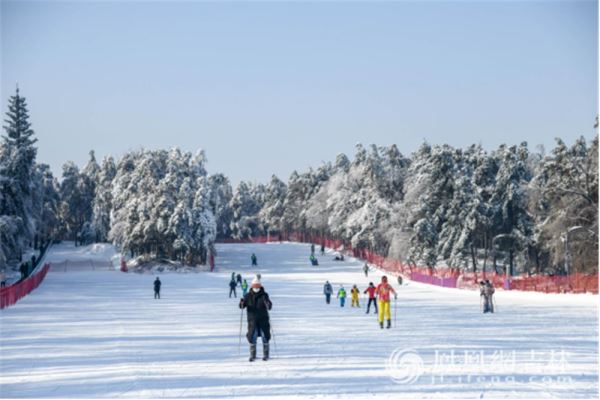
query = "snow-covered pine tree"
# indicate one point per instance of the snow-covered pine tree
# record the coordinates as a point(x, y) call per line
point(512, 224)
point(220, 195)
point(74, 202)
point(245, 205)
point(88, 182)
point(271, 214)
point(161, 206)
point(48, 205)
point(564, 201)
point(102, 205)
point(17, 163)
point(434, 189)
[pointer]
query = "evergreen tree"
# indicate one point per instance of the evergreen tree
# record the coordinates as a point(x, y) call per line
point(271, 214)
point(17, 168)
point(102, 204)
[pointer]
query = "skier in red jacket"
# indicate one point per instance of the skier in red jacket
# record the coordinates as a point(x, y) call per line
point(383, 295)
point(372, 298)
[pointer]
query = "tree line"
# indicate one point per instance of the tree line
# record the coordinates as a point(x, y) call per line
point(509, 209)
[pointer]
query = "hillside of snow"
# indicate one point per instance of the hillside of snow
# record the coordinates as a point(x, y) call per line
point(99, 333)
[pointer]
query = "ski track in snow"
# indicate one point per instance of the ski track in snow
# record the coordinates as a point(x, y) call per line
point(101, 334)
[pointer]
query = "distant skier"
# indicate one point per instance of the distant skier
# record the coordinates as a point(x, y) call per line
point(238, 279)
point(341, 294)
point(23, 271)
point(400, 280)
point(244, 288)
point(371, 291)
point(232, 286)
point(254, 260)
point(355, 293)
point(327, 291)
point(383, 295)
point(157, 284)
point(339, 257)
point(322, 249)
point(313, 260)
point(312, 248)
point(257, 304)
point(366, 269)
point(487, 292)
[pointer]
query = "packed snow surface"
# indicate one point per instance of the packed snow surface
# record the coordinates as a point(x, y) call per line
point(100, 333)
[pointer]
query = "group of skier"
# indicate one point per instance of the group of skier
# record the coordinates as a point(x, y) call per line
point(379, 296)
point(257, 303)
point(234, 282)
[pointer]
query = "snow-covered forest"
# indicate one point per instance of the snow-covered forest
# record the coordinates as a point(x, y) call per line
point(533, 211)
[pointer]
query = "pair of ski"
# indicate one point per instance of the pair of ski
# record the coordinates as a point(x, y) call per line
point(240, 338)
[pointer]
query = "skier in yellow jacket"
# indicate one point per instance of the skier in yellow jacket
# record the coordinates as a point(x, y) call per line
point(355, 293)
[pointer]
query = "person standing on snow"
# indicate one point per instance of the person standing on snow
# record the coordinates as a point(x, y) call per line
point(254, 260)
point(244, 288)
point(238, 279)
point(232, 286)
point(355, 293)
point(327, 291)
point(383, 295)
point(366, 269)
point(312, 248)
point(371, 291)
point(341, 294)
point(322, 249)
point(487, 292)
point(157, 284)
point(257, 305)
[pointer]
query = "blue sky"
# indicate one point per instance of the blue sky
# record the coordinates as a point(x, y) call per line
point(272, 87)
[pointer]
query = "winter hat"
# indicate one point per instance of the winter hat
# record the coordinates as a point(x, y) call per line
point(256, 283)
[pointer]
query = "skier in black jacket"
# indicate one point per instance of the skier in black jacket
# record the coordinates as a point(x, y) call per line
point(232, 286)
point(157, 288)
point(257, 305)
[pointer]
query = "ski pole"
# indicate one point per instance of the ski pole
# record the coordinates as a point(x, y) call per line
point(240, 336)
point(395, 311)
point(274, 341)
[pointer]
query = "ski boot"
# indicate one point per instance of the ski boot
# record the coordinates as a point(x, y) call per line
point(265, 351)
point(381, 325)
point(252, 353)
point(389, 324)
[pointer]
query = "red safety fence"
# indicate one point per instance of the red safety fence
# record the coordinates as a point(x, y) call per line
point(447, 277)
point(11, 294)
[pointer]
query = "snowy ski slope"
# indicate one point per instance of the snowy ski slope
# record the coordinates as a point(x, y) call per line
point(101, 334)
